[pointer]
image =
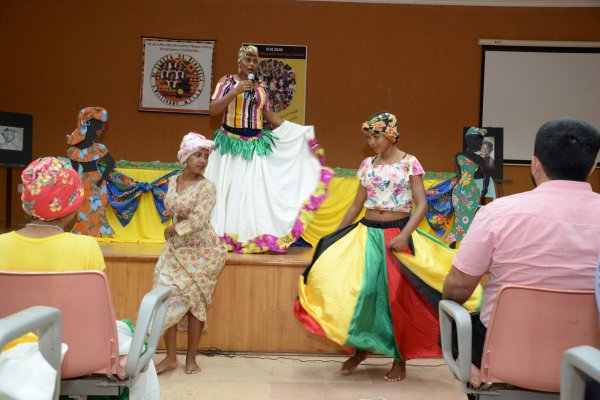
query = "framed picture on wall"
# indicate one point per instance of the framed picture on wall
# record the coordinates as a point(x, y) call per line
point(282, 69)
point(16, 137)
point(491, 150)
point(176, 75)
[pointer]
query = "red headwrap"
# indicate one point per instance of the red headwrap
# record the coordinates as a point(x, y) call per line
point(51, 189)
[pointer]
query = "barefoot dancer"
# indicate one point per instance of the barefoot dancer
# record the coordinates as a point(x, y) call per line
point(356, 292)
point(193, 255)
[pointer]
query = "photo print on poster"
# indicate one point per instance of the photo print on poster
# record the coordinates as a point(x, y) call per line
point(16, 132)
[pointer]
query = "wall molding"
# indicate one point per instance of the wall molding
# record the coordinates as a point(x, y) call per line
point(482, 3)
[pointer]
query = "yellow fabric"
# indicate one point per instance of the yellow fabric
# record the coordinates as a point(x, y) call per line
point(26, 338)
point(432, 263)
point(145, 226)
point(62, 252)
point(336, 318)
point(340, 197)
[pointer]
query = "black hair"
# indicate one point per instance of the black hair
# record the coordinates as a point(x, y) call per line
point(567, 148)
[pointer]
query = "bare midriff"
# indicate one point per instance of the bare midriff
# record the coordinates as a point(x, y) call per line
point(385, 215)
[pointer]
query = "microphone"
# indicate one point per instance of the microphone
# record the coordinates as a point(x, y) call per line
point(251, 79)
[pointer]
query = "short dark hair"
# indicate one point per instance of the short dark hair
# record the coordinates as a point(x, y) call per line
point(567, 148)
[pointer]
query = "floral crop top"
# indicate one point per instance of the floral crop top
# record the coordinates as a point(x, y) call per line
point(388, 185)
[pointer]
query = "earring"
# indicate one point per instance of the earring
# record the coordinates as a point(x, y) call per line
point(184, 164)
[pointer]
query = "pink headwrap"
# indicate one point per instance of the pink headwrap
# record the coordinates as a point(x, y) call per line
point(51, 189)
point(191, 143)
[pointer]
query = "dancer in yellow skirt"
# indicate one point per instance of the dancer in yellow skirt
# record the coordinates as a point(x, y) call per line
point(356, 291)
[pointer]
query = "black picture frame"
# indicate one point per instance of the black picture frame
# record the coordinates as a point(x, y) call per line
point(16, 139)
point(495, 136)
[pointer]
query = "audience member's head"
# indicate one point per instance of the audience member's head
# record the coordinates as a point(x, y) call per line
point(567, 149)
point(51, 189)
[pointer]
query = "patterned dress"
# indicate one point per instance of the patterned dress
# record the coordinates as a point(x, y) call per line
point(466, 197)
point(191, 260)
point(91, 217)
point(269, 183)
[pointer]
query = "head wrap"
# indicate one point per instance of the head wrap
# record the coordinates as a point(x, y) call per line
point(245, 50)
point(83, 120)
point(191, 143)
point(383, 123)
point(51, 189)
point(476, 131)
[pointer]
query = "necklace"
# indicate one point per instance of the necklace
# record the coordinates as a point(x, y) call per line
point(45, 226)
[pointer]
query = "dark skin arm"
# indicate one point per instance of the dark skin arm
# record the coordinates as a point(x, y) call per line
point(398, 242)
point(355, 208)
point(272, 118)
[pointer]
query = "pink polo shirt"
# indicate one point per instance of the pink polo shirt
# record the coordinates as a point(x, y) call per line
point(547, 237)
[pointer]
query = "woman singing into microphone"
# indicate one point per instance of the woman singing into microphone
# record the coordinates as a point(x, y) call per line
point(269, 183)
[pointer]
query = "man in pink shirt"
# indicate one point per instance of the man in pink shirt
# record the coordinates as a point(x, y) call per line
point(546, 237)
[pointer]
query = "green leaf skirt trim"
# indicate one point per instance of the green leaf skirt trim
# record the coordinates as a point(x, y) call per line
point(230, 143)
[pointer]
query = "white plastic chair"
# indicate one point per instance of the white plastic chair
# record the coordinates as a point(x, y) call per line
point(576, 366)
point(47, 322)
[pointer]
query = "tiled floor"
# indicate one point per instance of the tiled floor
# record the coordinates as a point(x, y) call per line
point(294, 377)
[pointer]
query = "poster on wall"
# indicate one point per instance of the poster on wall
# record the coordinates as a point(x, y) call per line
point(16, 131)
point(491, 150)
point(282, 69)
point(176, 75)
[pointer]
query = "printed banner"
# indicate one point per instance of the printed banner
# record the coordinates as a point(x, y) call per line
point(176, 75)
point(282, 69)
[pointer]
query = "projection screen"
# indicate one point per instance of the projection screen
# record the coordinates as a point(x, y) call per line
point(525, 84)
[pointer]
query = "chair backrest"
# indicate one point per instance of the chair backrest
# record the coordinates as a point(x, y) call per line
point(83, 298)
point(529, 330)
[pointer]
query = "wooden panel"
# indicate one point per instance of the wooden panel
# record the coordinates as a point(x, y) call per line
point(429, 73)
point(252, 306)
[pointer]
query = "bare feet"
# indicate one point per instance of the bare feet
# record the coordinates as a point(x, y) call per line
point(350, 365)
point(166, 364)
point(190, 366)
point(397, 373)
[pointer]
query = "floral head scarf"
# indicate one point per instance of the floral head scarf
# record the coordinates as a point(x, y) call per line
point(51, 189)
point(383, 123)
point(83, 120)
point(247, 50)
point(191, 143)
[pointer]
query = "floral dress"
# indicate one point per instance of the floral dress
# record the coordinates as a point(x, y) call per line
point(466, 198)
point(91, 217)
point(191, 260)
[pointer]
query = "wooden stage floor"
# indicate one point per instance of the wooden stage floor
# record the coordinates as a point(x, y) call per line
point(252, 306)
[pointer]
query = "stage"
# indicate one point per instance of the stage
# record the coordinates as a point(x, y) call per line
point(252, 306)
